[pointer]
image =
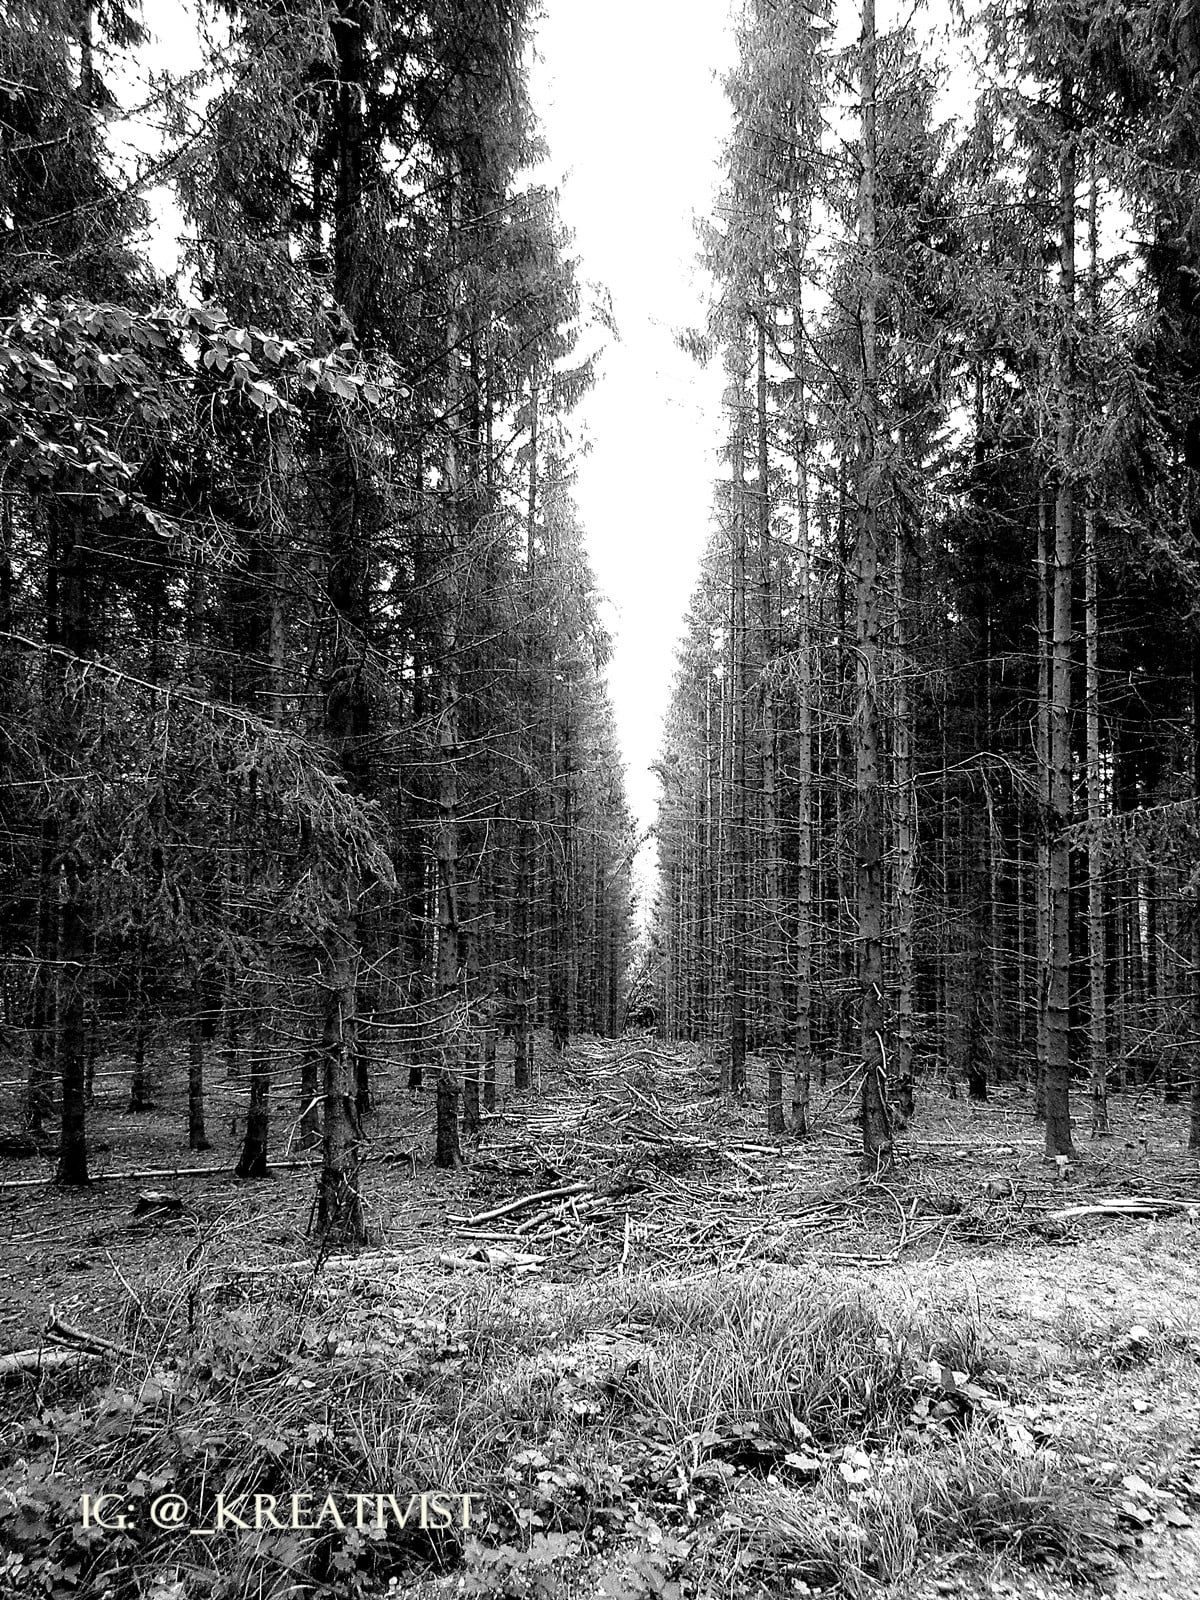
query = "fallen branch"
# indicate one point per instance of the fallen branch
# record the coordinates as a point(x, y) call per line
point(521, 1204)
point(1147, 1207)
point(92, 1343)
point(44, 1360)
point(225, 1171)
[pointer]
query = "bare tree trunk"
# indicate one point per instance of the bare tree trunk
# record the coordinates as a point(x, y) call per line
point(197, 1138)
point(139, 1088)
point(489, 1071)
point(876, 1119)
point(1194, 1129)
point(1097, 959)
point(1058, 1041)
point(995, 851)
point(805, 921)
point(846, 974)
point(906, 841)
point(252, 1163)
point(774, 947)
point(73, 948)
point(1042, 941)
point(950, 955)
point(739, 841)
point(346, 709)
point(339, 1203)
point(522, 997)
point(72, 1037)
point(560, 1030)
point(523, 1020)
point(448, 1153)
point(1097, 962)
point(472, 1085)
point(41, 1062)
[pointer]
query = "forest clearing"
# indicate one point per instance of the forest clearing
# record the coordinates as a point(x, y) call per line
point(669, 1356)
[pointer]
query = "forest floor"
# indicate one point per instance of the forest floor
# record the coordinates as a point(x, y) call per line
point(718, 1364)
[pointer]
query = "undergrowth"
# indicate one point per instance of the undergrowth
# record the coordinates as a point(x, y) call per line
point(708, 1439)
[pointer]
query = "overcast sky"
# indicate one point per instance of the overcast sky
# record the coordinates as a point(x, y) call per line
point(631, 104)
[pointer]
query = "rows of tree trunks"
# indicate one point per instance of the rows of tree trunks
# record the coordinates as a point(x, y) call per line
point(306, 760)
point(931, 778)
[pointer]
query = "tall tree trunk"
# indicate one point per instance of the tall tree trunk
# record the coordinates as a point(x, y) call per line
point(950, 954)
point(805, 919)
point(774, 937)
point(846, 975)
point(72, 1031)
point(197, 1138)
point(876, 1119)
point(560, 1029)
point(339, 1202)
point(906, 837)
point(346, 707)
point(139, 1087)
point(1097, 949)
point(976, 845)
point(523, 979)
point(1058, 1039)
point(42, 1028)
point(448, 1152)
point(1194, 1129)
point(738, 818)
point(416, 913)
point(252, 1163)
point(1042, 930)
point(73, 944)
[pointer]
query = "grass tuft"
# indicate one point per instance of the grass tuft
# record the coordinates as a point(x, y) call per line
point(748, 1431)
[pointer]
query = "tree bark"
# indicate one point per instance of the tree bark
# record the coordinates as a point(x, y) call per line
point(73, 944)
point(1097, 947)
point(139, 1087)
point(252, 1163)
point(738, 819)
point(72, 1032)
point(876, 1119)
point(1042, 928)
point(805, 918)
point(1194, 1129)
point(339, 1202)
point(905, 805)
point(1058, 1041)
point(197, 1138)
point(774, 934)
point(523, 934)
point(339, 1212)
point(448, 1153)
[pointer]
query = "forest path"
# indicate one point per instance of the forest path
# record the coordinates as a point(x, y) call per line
point(625, 1245)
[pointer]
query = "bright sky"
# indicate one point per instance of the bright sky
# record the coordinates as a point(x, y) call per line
point(632, 108)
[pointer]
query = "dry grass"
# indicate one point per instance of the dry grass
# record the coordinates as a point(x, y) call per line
point(733, 1432)
point(780, 1431)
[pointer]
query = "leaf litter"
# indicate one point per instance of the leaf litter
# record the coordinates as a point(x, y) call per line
point(604, 1299)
